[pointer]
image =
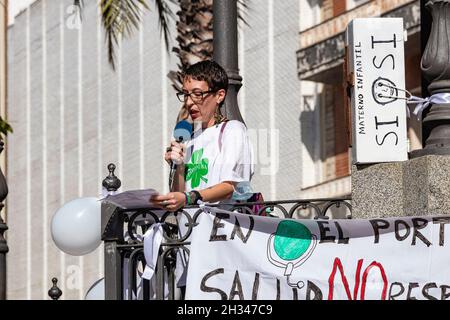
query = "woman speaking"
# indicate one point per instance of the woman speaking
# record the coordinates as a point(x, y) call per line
point(219, 154)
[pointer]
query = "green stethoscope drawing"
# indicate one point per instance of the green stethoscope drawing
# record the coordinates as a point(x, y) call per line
point(289, 247)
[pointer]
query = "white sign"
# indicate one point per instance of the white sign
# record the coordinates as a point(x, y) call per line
point(236, 256)
point(377, 71)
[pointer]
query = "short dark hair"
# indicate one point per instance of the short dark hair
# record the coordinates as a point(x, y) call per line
point(209, 71)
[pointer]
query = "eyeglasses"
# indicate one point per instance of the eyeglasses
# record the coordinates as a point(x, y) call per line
point(196, 95)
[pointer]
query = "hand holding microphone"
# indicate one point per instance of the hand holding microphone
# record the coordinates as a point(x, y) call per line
point(175, 153)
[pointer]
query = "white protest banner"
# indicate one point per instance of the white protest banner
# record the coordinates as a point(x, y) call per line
point(236, 256)
point(376, 69)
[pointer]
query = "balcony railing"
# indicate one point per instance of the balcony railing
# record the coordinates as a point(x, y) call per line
point(124, 226)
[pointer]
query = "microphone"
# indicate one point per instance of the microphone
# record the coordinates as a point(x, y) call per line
point(181, 133)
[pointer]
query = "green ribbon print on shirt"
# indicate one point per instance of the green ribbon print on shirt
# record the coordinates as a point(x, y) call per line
point(197, 169)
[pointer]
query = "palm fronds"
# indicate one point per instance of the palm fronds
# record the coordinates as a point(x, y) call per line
point(195, 33)
point(120, 18)
point(242, 6)
point(80, 5)
point(5, 127)
point(164, 13)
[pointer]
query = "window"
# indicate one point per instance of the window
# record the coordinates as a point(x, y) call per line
point(332, 8)
point(335, 152)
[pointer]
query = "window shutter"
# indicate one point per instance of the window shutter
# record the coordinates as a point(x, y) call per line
point(340, 134)
point(339, 6)
point(328, 133)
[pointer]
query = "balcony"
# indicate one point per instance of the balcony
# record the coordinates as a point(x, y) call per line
point(124, 224)
point(322, 47)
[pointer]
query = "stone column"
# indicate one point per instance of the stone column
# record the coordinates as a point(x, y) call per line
point(417, 187)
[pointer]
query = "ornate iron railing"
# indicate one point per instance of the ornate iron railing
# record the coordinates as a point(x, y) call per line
point(123, 230)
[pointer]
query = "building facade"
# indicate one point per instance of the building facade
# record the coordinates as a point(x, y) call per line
point(72, 115)
point(320, 70)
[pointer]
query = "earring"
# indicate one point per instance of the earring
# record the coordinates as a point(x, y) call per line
point(218, 117)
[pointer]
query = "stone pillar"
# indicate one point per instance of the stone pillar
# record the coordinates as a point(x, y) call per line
point(377, 190)
point(417, 187)
point(426, 182)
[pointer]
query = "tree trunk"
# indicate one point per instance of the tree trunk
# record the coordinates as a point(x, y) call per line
point(195, 39)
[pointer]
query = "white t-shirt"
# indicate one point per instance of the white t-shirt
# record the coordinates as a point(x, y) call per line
point(208, 163)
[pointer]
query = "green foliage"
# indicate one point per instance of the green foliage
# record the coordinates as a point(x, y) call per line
point(5, 127)
point(121, 18)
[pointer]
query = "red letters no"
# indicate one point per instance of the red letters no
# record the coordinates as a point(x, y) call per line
point(338, 265)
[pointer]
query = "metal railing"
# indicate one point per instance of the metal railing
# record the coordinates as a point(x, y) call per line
point(124, 255)
point(123, 229)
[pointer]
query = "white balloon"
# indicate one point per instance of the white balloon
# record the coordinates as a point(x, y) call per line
point(96, 291)
point(76, 226)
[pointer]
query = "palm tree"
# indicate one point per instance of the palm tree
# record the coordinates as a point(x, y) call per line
point(195, 30)
point(121, 18)
point(194, 25)
point(194, 38)
point(4, 127)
